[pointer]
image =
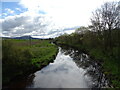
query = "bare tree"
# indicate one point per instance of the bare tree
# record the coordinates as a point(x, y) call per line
point(110, 15)
point(107, 17)
point(118, 8)
point(96, 21)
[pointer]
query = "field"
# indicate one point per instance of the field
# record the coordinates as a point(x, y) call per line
point(22, 57)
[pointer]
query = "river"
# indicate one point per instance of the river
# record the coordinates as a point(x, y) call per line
point(70, 69)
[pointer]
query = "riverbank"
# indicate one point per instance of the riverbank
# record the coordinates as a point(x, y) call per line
point(95, 46)
point(23, 57)
point(70, 69)
point(109, 68)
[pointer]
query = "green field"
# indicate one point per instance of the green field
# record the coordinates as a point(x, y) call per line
point(22, 57)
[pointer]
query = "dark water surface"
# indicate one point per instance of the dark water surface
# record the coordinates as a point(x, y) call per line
point(70, 69)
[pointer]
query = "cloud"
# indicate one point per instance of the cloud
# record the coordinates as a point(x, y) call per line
point(55, 33)
point(9, 11)
point(43, 17)
point(10, 0)
point(18, 9)
point(18, 25)
point(5, 14)
point(65, 12)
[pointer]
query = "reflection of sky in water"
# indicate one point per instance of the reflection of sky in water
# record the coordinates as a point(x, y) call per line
point(63, 73)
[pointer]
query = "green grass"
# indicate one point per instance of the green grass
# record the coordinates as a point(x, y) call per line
point(110, 66)
point(22, 57)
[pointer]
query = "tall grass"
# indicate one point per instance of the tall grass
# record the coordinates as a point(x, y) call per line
point(20, 58)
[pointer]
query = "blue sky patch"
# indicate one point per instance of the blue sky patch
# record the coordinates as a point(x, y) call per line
point(11, 9)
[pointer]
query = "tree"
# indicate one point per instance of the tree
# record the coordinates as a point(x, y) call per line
point(81, 30)
point(105, 19)
point(110, 15)
point(96, 21)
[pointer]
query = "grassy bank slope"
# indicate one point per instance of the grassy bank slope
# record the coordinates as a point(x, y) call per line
point(22, 57)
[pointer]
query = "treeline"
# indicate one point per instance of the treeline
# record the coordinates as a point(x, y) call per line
point(101, 40)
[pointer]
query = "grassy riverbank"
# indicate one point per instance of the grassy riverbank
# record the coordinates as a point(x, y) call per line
point(98, 48)
point(22, 57)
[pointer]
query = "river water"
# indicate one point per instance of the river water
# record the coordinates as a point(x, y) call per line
point(70, 69)
point(62, 73)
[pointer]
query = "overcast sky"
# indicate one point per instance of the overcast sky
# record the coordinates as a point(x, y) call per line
point(41, 17)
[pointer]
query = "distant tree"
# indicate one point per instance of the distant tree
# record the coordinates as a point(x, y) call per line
point(81, 30)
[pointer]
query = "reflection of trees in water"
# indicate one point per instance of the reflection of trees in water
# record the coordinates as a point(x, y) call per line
point(23, 83)
point(92, 67)
point(29, 80)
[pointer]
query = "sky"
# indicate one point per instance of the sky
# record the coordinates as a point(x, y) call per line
point(45, 18)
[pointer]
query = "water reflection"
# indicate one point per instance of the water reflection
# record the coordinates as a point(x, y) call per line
point(92, 67)
point(21, 83)
point(62, 73)
point(70, 69)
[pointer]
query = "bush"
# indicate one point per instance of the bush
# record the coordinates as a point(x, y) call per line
point(14, 60)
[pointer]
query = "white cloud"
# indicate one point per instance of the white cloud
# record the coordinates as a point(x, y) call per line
point(18, 9)
point(59, 14)
point(5, 14)
point(21, 24)
point(10, 0)
point(65, 12)
point(9, 11)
